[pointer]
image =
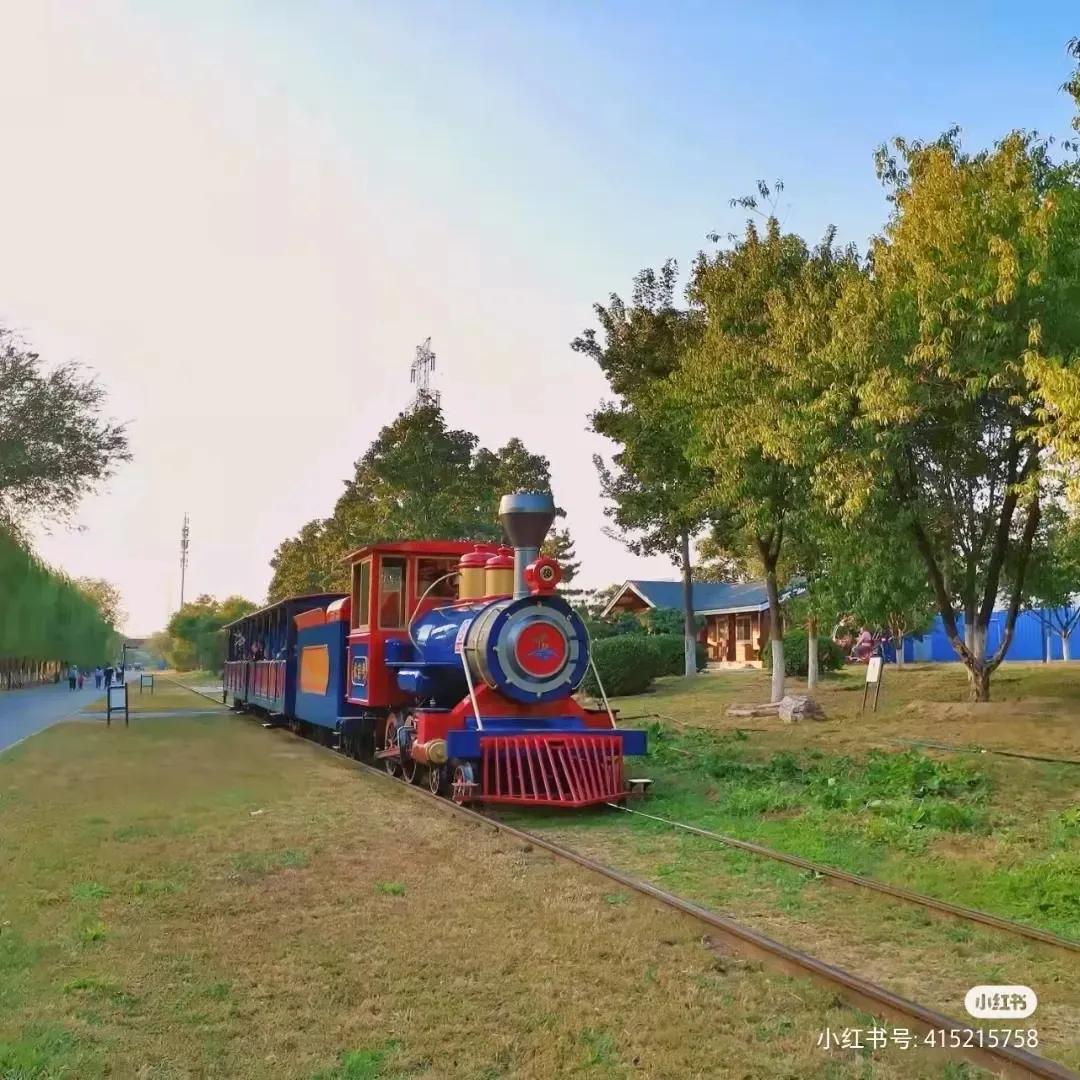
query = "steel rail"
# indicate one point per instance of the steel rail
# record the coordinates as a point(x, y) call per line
point(861, 993)
point(985, 750)
point(895, 891)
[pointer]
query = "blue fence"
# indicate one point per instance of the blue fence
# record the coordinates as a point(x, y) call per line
point(1028, 642)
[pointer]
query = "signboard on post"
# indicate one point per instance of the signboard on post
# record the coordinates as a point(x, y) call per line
point(145, 681)
point(116, 700)
point(874, 668)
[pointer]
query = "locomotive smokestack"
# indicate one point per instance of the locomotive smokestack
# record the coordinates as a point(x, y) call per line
point(526, 516)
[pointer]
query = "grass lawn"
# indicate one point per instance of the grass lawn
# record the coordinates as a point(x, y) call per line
point(995, 833)
point(200, 897)
point(166, 697)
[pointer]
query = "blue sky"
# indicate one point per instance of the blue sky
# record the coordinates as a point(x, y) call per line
point(249, 214)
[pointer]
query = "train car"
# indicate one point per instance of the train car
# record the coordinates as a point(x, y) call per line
point(260, 655)
point(454, 664)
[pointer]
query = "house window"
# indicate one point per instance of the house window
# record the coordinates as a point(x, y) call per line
point(428, 571)
point(743, 629)
point(361, 594)
point(392, 594)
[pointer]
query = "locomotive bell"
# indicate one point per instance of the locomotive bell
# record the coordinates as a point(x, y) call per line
point(526, 516)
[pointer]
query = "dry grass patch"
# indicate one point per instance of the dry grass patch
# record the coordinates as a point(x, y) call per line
point(199, 897)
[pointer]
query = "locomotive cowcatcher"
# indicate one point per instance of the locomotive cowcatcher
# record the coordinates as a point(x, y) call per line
point(449, 662)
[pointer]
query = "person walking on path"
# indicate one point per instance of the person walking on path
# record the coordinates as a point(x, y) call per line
point(108, 677)
point(99, 674)
point(73, 676)
point(82, 676)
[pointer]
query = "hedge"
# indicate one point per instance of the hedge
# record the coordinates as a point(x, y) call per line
point(627, 665)
point(670, 654)
point(44, 616)
point(796, 654)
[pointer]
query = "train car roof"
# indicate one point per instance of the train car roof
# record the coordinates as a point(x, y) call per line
point(413, 547)
point(329, 597)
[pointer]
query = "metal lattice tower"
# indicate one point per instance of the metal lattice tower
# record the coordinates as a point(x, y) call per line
point(185, 534)
point(420, 376)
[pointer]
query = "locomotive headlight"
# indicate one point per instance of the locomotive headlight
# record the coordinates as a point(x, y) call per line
point(542, 575)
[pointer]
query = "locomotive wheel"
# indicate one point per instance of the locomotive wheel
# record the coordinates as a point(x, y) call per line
point(389, 740)
point(463, 774)
point(437, 779)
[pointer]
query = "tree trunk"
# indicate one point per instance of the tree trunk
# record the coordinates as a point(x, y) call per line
point(1065, 647)
point(776, 633)
point(811, 654)
point(689, 628)
point(979, 681)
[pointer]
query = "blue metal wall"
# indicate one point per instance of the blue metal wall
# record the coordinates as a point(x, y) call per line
point(1027, 641)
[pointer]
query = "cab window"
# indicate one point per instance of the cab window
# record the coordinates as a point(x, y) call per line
point(429, 571)
point(361, 594)
point(392, 594)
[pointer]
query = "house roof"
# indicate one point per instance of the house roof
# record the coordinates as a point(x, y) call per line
point(709, 598)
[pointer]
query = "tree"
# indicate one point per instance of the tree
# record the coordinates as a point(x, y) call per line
point(55, 446)
point(715, 563)
point(195, 638)
point(418, 479)
point(1053, 577)
point(764, 303)
point(559, 545)
point(947, 365)
point(654, 488)
point(44, 617)
point(106, 598)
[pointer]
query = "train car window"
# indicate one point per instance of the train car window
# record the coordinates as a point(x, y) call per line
point(429, 571)
point(361, 594)
point(392, 594)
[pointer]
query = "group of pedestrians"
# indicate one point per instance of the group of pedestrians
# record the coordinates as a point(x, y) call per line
point(76, 676)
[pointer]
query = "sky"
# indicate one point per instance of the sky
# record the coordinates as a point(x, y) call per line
point(244, 218)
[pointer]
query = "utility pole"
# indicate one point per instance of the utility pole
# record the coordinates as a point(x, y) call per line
point(185, 534)
point(420, 376)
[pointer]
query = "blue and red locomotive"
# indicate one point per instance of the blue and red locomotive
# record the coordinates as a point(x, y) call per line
point(451, 663)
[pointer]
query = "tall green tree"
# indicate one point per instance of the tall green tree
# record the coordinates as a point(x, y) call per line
point(655, 491)
point(45, 617)
point(106, 598)
point(194, 632)
point(1052, 583)
point(945, 362)
point(419, 479)
point(764, 302)
point(55, 445)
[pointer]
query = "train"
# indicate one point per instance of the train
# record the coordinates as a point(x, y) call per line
point(448, 663)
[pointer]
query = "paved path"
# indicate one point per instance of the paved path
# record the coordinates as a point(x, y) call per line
point(26, 712)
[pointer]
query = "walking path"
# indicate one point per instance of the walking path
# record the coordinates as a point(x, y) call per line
point(26, 712)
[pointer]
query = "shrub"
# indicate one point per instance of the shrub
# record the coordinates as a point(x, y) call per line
point(670, 658)
point(628, 623)
point(627, 665)
point(669, 621)
point(830, 655)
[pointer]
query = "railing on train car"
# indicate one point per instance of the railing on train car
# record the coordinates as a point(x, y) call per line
point(269, 679)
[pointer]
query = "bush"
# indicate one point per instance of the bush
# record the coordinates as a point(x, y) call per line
point(670, 658)
point(830, 655)
point(627, 665)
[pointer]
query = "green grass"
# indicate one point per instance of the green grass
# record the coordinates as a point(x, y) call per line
point(197, 896)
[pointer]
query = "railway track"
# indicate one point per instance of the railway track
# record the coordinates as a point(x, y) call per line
point(1005, 1061)
point(930, 903)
